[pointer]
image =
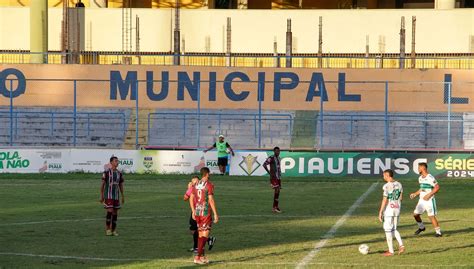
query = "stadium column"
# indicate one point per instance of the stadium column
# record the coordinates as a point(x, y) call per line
point(445, 4)
point(39, 31)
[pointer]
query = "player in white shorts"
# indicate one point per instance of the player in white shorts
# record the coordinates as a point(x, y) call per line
point(428, 188)
point(389, 212)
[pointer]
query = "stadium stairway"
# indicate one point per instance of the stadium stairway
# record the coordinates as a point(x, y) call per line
point(304, 129)
point(130, 137)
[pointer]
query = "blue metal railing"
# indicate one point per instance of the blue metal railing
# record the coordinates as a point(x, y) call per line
point(52, 117)
point(219, 117)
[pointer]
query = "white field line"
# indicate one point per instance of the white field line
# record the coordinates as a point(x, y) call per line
point(330, 234)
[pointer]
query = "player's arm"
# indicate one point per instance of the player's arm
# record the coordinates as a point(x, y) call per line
point(121, 192)
point(382, 207)
point(231, 149)
point(102, 188)
point(188, 192)
point(209, 148)
point(191, 204)
point(433, 192)
point(415, 194)
point(213, 207)
point(265, 166)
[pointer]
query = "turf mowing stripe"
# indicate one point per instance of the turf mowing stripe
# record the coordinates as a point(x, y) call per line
point(151, 217)
point(330, 234)
point(69, 257)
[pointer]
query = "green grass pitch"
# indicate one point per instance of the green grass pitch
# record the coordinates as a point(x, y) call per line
point(56, 221)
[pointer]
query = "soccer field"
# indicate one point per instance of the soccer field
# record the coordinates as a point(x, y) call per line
point(56, 221)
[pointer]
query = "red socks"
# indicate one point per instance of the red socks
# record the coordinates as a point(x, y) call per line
point(201, 244)
point(275, 199)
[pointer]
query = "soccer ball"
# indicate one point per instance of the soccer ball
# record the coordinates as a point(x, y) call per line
point(364, 249)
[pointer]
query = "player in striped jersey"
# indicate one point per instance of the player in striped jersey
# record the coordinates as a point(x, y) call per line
point(202, 204)
point(428, 188)
point(389, 212)
point(110, 193)
point(272, 166)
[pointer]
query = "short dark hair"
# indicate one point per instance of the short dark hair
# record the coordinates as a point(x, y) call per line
point(205, 171)
point(275, 148)
point(113, 158)
point(389, 172)
point(195, 177)
point(423, 164)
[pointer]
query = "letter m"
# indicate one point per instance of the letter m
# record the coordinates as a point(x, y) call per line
point(117, 84)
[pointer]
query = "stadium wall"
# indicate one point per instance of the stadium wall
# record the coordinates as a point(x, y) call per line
point(247, 163)
point(253, 31)
point(237, 88)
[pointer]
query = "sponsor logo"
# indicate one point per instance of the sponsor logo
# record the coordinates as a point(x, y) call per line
point(249, 164)
point(126, 162)
point(12, 160)
point(148, 162)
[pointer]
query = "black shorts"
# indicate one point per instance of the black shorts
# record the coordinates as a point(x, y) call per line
point(222, 161)
point(192, 224)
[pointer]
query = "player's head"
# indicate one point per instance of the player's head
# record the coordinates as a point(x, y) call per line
point(194, 180)
point(388, 175)
point(205, 172)
point(114, 161)
point(221, 138)
point(422, 168)
point(276, 151)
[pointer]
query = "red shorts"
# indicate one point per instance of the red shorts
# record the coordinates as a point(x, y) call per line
point(204, 223)
point(109, 203)
point(275, 183)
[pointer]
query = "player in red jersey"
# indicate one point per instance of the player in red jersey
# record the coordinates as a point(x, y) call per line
point(202, 203)
point(192, 222)
point(110, 191)
point(272, 166)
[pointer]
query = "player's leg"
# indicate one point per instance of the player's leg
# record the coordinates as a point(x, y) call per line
point(276, 197)
point(204, 226)
point(221, 162)
point(388, 228)
point(108, 205)
point(419, 209)
point(108, 222)
point(401, 247)
point(114, 221)
point(211, 241)
point(432, 216)
point(194, 231)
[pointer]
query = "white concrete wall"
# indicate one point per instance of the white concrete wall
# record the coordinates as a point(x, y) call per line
point(438, 31)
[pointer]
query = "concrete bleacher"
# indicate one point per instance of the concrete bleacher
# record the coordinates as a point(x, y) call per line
point(240, 127)
point(405, 130)
point(45, 127)
point(468, 130)
point(364, 130)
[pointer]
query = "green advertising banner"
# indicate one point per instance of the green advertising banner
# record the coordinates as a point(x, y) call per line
point(356, 164)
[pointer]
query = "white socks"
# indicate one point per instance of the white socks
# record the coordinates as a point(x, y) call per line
point(389, 241)
point(438, 230)
point(398, 237)
point(420, 225)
